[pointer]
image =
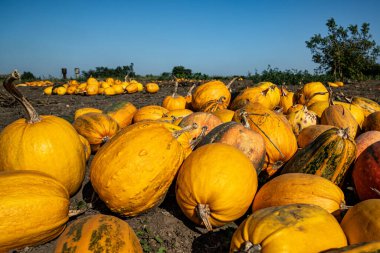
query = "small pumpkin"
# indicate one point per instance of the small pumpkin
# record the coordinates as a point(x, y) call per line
point(290, 228)
point(212, 176)
point(174, 101)
point(312, 92)
point(362, 222)
point(286, 99)
point(96, 233)
point(152, 87)
point(301, 119)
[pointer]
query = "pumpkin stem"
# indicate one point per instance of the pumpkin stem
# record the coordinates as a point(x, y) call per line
point(196, 141)
point(230, 83)
point(248, 247)
point(175, 89)
point(203, 212)
point(284, 92)
point(31, 114)
point(375, 190)
point(245, 113)
point(188, 128)
point(191, 90)
point(76, 212)
point(126, 77)
point(344, 133)
point(343, 206)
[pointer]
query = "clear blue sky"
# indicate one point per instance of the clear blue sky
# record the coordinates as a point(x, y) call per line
point(212, 37)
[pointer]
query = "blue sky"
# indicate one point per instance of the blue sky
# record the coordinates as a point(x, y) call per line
point(212, 37)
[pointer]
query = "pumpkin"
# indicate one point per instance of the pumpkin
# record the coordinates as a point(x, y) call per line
point(290, 228)
point(368, 106)
point(366, 139)
point(362, 222)
point(280, 141)
point(356, 111)
point(364, 247)
point(265, 93)
point(92, 89)
point(301, 119)
point(225, 115)
point(97, 128)
point(122, 112)
point(71, 90)
point(319, 107)
point(110, 91)
point(310, 133)
point(39, 143)
point(312, 92)
point(34, 209)
point(174, 101)
point(211, 91)
point(133, 171)
point(179, 113)
point(299, 188)
point(209, 179)
point(133, 87)
point(329, 155)
point(372, 122)
point(98, 233)
point(286, 99)
point(84, 110)
point(92, 81)
point(152, 87)
point(48, 90)
point(204, 121)
point(339, 116)
point(118, 88)
point(366, 173)
point(150, 112)
point(246, 140)
point(295, 108)
point(86, 146)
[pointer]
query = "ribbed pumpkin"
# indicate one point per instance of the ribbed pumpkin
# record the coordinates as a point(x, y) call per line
point(312, 92)
point(329, 156)
point(280, 141)
point(265, 93)
point(364, 247)
point(152, 87)
point(215, 185)
point(290, 228)
point(45, 143)
point(299, 188)
point(310, 133)
point(286, 99)
point(339, 116)
point(368, 106)
point(174, 101)
point(246, 140)
point(366, 139)
point(356, 111)
point(81, 111)
point(301, 119)
point(209, 92)
point(372, 122)
point(150, 112)
point(34, 209)
point(97, 128)
point(86, 146)
point(362, 222)
point(122, 113)
point(133, 171)
point(98, 233)
point(366, 173)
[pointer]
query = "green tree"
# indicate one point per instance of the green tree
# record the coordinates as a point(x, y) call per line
point(28, 76)
point(181, 72)
point(345, 52)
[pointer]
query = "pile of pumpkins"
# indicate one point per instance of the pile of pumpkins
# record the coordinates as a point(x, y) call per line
point(41, 83)
point(283, 158)
point(92, 86)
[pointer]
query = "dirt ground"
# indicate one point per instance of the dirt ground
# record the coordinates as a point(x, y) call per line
point(165, 228)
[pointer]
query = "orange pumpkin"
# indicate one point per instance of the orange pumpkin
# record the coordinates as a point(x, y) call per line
point(339, 116)
point(85, 110)
point(122, 113)
point(150, 112)
point(310, 133)
point(312, 92)
point(366, 139)
point(152, 87)
point(372, 122)
point(286, 99)
point(174, 102)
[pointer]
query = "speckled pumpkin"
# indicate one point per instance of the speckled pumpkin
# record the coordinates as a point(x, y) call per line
point(98, 233)
point(34, 209)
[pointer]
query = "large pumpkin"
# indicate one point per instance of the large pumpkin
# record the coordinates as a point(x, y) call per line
point(372, 122)
point(366, 139)
point(339, 116)
point(280, 141)
point(362, 222)
point(290, 228)
point(215, 185)
point(34, 209)
point(122, 113)
point(98, 233)
point(296, 188)
point(364, 247)
point(329, 155)
point(133, 171)
point(45, 143)
point(310, 133)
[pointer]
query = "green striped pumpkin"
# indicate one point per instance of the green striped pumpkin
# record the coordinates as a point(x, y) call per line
point(329, 156)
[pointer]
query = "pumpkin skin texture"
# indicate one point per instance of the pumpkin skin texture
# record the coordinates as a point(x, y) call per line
point(366, 139)
point(224, 115)
point(24, 196)
point(210, 91)
point(209, 179)
point(330, 155)
point(366, 173)
point(205, 122)
point(339, 116)
point(150, 112)
point(356, 111)
point(310, 133)
point(295, 188)
point(152, 87)
point(86, 146)
point(301, 119)
point(97, 128)
point(290, 228)
point(85, 110)
point(98, 233)
point(364, 247)
point(246, 140)
point(36, 146)
point(133, 171)
point(312, 92)
point(372, 122)
point(122, 113)
point(362, 222)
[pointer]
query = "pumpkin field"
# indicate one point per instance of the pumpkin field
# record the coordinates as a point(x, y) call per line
point(189, 166)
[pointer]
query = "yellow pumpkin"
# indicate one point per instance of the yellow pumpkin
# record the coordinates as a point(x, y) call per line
point(356, 111)
point(312, 92)
point(84, 110)
point(92, 89)
point(122, 112)
point(364, 247)
point(96, 233)
point(301, 119)
point(215, 185)
point(174, 101)
point(45, 143)
point(110, 91)
point(34, 209)
point(150, 112)
point(133, 171)
point(92, 81)
point(71, 89)
point(362, 222)
point(286, 99)
point(152, 87)
point(310, 133)
point(290, 228)
point(48, 90)
point(319, 107)
point(225, 115)
point(132, 88)
point(118, 88)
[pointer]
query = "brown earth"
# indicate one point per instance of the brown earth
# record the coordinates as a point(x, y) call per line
point(165, 228)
